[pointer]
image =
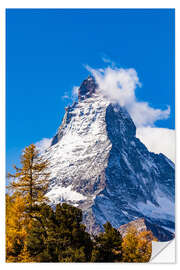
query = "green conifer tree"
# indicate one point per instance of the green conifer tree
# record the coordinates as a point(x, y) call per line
point(59, 236)
point(107, 245)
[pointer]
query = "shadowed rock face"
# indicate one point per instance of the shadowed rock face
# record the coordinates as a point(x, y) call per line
point(87, 88)
point(98, 165)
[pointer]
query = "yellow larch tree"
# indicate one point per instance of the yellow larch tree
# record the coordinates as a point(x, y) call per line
point(137, 246)
point(30, 181)
point(27, 190)
point(17, 225)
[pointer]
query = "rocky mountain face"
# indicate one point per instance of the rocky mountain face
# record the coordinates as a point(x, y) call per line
point(142, 225)
point(98, 165)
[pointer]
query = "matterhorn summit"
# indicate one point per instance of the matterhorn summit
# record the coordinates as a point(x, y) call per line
point(98, 165)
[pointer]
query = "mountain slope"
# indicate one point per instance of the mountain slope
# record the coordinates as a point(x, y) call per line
point(99, 165)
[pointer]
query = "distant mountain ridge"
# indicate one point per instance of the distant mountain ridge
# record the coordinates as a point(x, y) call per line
point(98, 165)
point(142, 225)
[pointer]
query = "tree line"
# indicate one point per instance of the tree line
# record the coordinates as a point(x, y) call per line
point(36, 232)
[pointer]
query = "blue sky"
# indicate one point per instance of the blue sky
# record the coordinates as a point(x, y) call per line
point(46, 51)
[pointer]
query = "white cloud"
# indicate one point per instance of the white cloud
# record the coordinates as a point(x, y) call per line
point(109, 61)
point(158, 140)
point(119, 85)
point(143, 115)
point(43, 144)
point(75, 91)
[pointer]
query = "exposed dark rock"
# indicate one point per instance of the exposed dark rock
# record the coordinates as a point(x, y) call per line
point(87, 88)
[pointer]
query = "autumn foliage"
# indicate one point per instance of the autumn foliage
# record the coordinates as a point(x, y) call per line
point(30, 181)
point(17, 225)
point(36, 232)
point(136, 246)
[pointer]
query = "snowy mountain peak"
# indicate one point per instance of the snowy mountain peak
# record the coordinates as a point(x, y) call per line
point(99, 165)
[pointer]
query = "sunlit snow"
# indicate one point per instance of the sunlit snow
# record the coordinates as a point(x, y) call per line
point(60, 194)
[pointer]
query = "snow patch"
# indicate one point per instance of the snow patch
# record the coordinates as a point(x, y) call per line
point(165, 209)
point(60, 194)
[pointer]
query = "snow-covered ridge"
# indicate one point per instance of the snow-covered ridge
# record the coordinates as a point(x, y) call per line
point(84, 135)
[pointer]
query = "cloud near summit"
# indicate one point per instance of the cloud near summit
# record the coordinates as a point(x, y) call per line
point(119, 85)
point(158, 140)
